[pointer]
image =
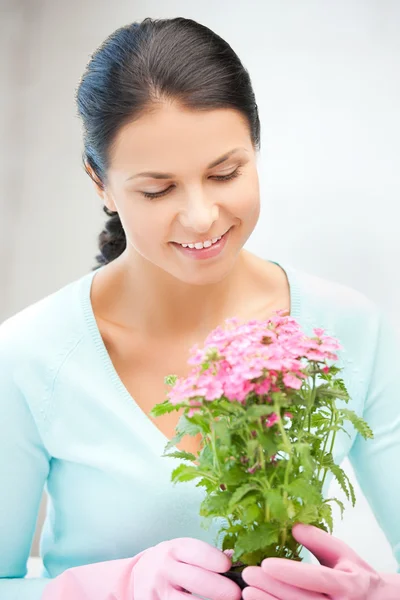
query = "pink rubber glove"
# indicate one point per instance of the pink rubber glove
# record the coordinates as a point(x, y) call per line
point(342, 574)
point(174, 569)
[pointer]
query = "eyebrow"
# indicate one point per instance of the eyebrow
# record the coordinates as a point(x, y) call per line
point(157, 175)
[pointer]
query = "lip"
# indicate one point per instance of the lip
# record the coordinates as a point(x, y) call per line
point(202, 240)
point(205, 253)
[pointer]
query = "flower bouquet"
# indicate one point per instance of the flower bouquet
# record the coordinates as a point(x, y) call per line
point(263, 397)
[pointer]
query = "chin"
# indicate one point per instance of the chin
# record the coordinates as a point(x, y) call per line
point(207, 274)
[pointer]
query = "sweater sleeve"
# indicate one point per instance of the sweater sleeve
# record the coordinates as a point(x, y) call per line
point(376, 462)
point(24, 467)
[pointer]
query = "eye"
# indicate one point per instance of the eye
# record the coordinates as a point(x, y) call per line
point(232, 175)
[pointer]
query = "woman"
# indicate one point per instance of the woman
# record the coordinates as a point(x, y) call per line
point(171, 134)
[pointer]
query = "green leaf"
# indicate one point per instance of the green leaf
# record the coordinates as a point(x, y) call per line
point(182, 454)
point(269, 443)
point(163, 408)
point(306, 460)
point(319, 421)
point(259, 410)
point(308, 514)
point(233, 475)
point(184, 473)
point(206, 458)
point(188, 426)
point(252, 446)
point(240, 493)
point(172, 443)
point(276, 504)
point(339, 503)
point(221, 429)
point(352, 493)
point(342, 479)
point(206, 483)
point(252, 514)
point(263, 535)
point(229, 542)
point(302, 487)
point(250, 499)
point(233, 408)
point(215, 504)
point(358, 422)
point(334, 389)
point(325, 512)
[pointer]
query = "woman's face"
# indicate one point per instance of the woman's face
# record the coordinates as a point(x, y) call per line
point(192, 201)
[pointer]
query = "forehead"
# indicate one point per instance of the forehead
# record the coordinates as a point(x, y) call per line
point(171, 136)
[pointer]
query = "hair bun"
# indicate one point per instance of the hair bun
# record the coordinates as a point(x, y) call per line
point(112, 240)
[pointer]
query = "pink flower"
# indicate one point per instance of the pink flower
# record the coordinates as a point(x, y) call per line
point(193, 411)
point(292, 381)
point(260, 357)
point(271, 420)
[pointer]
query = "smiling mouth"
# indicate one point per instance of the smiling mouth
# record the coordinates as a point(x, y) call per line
point(192, 245)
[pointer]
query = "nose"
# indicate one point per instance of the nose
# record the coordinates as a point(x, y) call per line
point(199, 214)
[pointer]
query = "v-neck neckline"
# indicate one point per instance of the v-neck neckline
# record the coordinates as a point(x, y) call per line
point(94, 331)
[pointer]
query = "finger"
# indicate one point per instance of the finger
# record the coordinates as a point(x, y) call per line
point(251, 593)
point(315, 578)
point(327, 548)
point(259, 580)
point(204, 583)
point(196, 552)
point(174, 594)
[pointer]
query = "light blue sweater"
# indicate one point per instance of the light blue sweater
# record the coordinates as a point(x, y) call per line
point(69, 426)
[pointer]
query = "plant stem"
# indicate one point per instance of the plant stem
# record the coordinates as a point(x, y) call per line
point(332, 445)
point(288, 447)
point(217, 466)
point(312, 400)
point(326, 442)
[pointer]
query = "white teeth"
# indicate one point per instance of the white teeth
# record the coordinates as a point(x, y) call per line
point(201, 245)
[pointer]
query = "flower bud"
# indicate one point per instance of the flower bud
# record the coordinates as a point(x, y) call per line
point(253, 469)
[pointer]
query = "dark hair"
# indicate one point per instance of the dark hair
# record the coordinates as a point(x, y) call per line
point(137, 67)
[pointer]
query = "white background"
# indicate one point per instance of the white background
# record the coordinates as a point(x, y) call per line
point(326, 77)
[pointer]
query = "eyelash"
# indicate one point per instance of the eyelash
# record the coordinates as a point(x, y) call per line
point(235, 173)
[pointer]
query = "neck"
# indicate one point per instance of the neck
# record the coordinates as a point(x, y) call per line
point(141, 297)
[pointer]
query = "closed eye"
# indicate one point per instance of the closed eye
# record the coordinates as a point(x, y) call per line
point(235, 173)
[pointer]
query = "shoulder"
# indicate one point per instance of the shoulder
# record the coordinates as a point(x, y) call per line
point(46, 325)
point(324, 297)
point(342, 310)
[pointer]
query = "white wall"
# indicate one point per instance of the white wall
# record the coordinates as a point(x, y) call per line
point(326, 76)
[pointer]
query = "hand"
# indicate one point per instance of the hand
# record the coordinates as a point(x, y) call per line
point(181, 567)
point(175, 569)
point(342, 574)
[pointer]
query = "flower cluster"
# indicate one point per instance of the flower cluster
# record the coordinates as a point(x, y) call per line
point(263, 397)
point(241, 359)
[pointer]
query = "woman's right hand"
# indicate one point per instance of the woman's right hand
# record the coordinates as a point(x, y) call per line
point(180, 567)
point(172, 570)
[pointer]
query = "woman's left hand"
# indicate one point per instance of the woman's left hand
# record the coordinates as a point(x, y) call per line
point(342, 574)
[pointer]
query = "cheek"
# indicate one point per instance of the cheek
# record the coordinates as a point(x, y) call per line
point(245, 205)
point(144, 224)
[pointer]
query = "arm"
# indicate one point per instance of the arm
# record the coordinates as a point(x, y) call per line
point(375, 462)
point(24, 465)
